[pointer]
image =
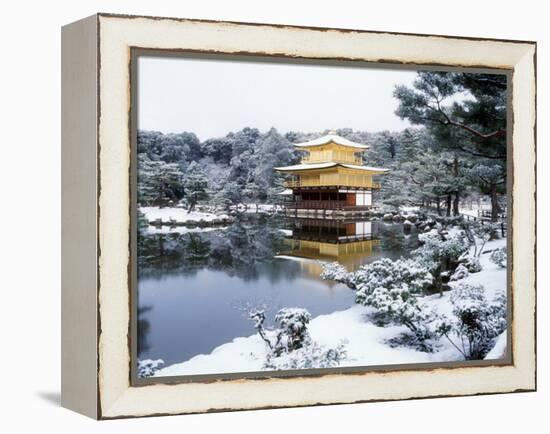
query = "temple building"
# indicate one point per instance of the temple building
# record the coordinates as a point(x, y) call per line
point(331, 176)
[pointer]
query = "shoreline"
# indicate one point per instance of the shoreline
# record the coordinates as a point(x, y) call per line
point(366, 343)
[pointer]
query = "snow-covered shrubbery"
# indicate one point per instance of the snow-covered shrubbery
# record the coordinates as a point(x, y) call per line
point(292, 333)
point(499, 257)
point(461, 272)
point(395, 289)
point(440, 253)
point(475, 323)
point(335, 271)
point(478, 233)
point(392, 287)
point(402, 274)
point(311, 355)
point(472, 263)
point(290, 345)
point(148, 367)
point(400, 306)
point(439, 250)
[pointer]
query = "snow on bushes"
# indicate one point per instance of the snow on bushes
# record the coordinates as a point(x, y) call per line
point(472, 263)
point(403, 274)
point(292, 333)
point(499, 257)
point(148, 367)
point(475, 323)
point(290, 345)
point(440, 249)
point(440, 253)
point(334, 271)
point(479, 233)
point(400, 306)
point(392, 288)
point(461, 272)
point(309, 356)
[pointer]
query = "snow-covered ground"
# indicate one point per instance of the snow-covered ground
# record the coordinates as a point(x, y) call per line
point(366, 343)
point(154, 230)
point(262, 208)
point(181, 216)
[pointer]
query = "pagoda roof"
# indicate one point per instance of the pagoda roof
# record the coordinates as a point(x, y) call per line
point(328, 165)
point(331, 138)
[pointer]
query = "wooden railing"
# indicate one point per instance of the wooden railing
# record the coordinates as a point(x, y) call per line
point(320, 159)
point(293, 183)
point(322, 204)
point(332, 181)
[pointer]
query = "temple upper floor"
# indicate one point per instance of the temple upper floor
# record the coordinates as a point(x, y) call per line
point(332, 153)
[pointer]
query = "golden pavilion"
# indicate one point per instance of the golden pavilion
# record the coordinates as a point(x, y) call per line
point(331, 176)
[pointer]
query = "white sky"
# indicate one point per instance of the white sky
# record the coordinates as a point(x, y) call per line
point(213, 97)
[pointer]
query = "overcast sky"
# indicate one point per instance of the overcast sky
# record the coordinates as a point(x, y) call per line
point(213, 97)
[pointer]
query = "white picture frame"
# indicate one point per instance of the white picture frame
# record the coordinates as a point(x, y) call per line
point(96, 280)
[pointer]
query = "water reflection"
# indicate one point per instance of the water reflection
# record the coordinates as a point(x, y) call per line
point(192, 283)
point(347, 241)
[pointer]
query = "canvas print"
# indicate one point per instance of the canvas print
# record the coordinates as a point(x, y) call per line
point(294, 215)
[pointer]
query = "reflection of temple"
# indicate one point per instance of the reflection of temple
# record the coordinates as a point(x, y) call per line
point(331, 178)
point(348, 242)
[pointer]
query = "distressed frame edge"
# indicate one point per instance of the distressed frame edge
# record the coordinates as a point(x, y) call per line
point(529, 386)
point(79, 183)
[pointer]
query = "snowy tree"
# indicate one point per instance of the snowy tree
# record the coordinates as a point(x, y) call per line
point(292, 333)
point(465, 113)
point(474, 124)
point(475, 323)
point(170, 148)
point(290, 346)
point(159, 183)
point(273, 150)
point(440, 253)
point(220, 149)
point(392, 288)
point(478, 233)
point(491, 179)
point(258, 318)
point(230, 194)
point(195, 185)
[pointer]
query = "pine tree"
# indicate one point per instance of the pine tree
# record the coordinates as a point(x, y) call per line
point(195, 185)
point(159, 183)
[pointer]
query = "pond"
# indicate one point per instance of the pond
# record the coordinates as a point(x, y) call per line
point(196, 285)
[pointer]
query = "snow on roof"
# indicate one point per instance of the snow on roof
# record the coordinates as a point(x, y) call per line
point(369, 168)
point(307, 166)
point(286, 192)
point(331, 138)
point(327, 165)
